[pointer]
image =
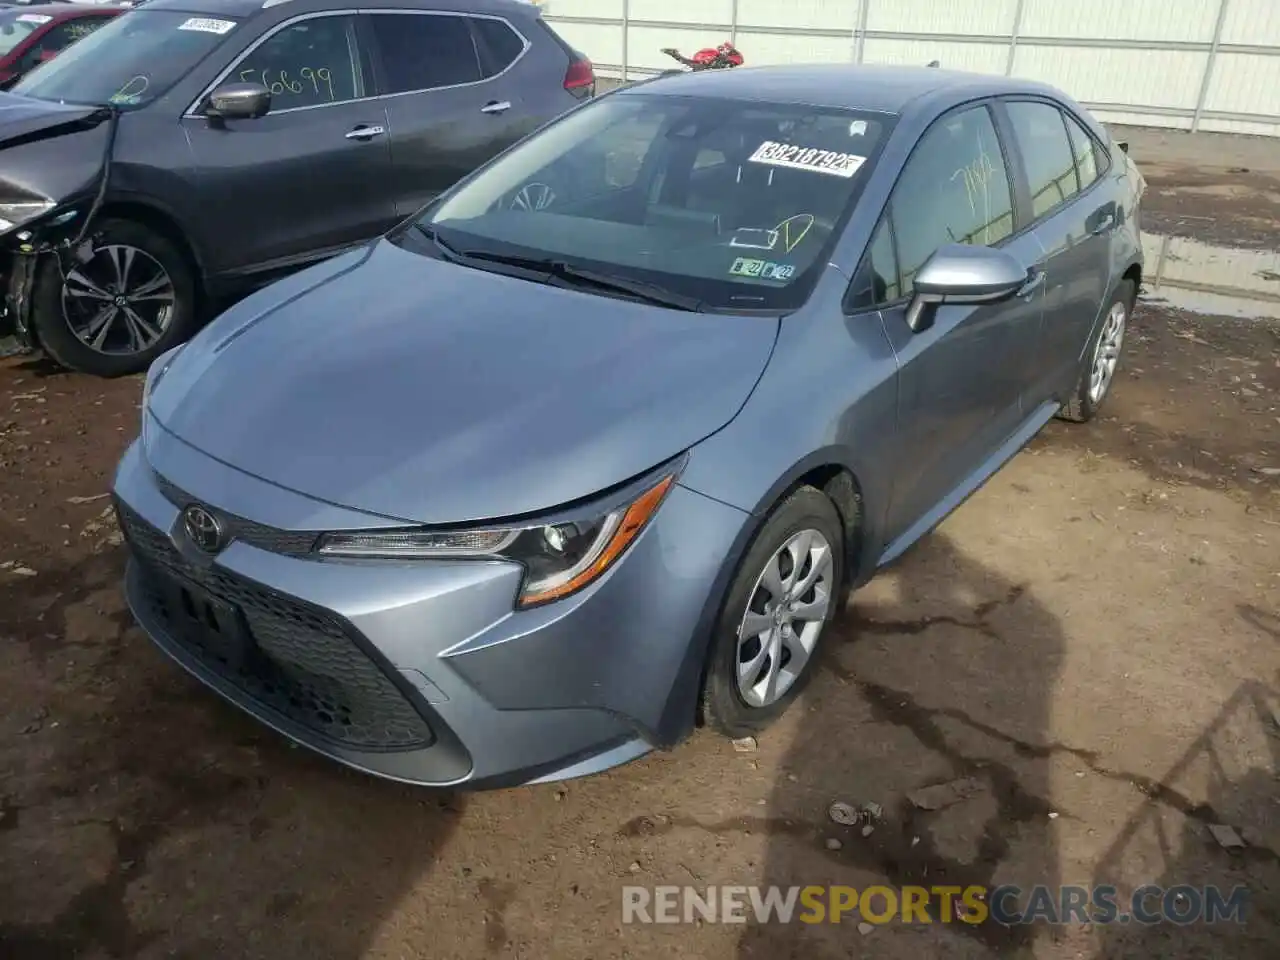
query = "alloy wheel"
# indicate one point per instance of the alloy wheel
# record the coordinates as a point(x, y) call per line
point(120, 301)
point(1107, 353)
point(785, 615)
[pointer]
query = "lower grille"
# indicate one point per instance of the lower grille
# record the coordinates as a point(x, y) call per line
point(300, 662)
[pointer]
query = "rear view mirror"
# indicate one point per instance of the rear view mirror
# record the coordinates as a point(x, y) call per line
point(961, 273)
point(239, 101)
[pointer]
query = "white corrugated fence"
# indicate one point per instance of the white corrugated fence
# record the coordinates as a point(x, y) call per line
point(1189, 64)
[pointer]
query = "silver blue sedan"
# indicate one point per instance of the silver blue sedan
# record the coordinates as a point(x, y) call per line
point(588, 451)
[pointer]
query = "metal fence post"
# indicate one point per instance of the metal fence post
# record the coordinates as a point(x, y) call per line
point(626, 17)
point(733, 23)
point(1208, 64)
point(1018, 9)
point(860, 31)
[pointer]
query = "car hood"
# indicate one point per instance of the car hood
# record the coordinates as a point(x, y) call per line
point(49, 150)
point(420, 390)
point(22, 117)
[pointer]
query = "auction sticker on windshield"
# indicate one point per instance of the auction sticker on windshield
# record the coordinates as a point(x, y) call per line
point(205, 25)
point(797, 157)
point(761, 269)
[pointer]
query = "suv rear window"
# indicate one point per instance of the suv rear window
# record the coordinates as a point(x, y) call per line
point(499, 44)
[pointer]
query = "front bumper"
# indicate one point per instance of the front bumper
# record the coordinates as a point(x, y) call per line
point(422, 672)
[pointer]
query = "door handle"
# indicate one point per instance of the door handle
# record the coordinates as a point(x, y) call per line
point(365, 132)
point(1035, 280)
point(1103, 225)
point(496, 106)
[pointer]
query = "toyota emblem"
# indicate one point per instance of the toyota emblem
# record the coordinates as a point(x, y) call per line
point(203, 528)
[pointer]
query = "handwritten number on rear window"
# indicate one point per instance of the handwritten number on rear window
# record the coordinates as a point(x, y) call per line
point(279, 82)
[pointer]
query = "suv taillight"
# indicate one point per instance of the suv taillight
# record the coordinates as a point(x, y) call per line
point(580, 79)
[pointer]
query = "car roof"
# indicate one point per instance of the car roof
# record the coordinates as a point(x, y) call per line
point(875, 88)
point(63, 11)
point(244, 9)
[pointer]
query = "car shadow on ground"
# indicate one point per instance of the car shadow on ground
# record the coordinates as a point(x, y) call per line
point(151, 819)
point(942, 671)
point(1237, 756)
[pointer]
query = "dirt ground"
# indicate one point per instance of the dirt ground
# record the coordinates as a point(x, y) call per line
point(1093, 640)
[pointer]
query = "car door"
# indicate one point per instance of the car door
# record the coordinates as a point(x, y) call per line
point(960, 379)
point(1074, 222)
point(310, 177)
point(449, 108)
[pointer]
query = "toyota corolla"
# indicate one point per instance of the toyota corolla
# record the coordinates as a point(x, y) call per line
point(588, 451)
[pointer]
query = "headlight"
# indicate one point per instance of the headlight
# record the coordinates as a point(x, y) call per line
point(560, 558)
point(18, 212)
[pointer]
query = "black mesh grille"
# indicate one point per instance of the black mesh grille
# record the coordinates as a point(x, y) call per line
point(300, 661)
point(293, 543)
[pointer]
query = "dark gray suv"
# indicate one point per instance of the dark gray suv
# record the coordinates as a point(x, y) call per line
point(195, 149)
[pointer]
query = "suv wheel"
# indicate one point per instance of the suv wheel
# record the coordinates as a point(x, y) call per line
point(113, 314)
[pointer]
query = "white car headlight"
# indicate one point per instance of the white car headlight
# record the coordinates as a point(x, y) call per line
point(559, 558)
point(17, 212)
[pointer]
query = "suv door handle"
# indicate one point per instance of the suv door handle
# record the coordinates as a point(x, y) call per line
point(1035, 280)
point(496, 106)
point(366, 132)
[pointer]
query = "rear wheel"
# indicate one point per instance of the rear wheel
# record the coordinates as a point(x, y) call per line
point(111, 315)
point(782, 599)
point(1102, 358)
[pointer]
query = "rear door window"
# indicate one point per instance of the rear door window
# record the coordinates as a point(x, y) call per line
point(425, 51)
point(1085, 151)
point(1051, 167)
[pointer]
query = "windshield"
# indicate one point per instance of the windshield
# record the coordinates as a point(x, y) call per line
point(128, 62)
point(733, 203)
point(16, 27)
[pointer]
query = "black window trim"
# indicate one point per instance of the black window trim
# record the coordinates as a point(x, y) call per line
point(989, 103)
point(193, 112)
point(465, 16)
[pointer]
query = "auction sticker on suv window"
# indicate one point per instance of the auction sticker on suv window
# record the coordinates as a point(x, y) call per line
point(205, 25)
point(797, 157)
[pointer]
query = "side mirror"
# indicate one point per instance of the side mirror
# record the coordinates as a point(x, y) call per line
point(961, 273)
point(239, 101)
point(1123, 145)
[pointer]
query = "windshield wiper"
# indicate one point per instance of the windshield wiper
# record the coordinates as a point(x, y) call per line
point(568, 273)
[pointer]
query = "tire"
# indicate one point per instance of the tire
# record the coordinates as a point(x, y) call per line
point(162, 282)
point(1084, 402)
point(725, 706)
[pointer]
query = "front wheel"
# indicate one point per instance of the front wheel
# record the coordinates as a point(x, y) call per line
point(112, 314)
point(783, 597)
point(1102, 358)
